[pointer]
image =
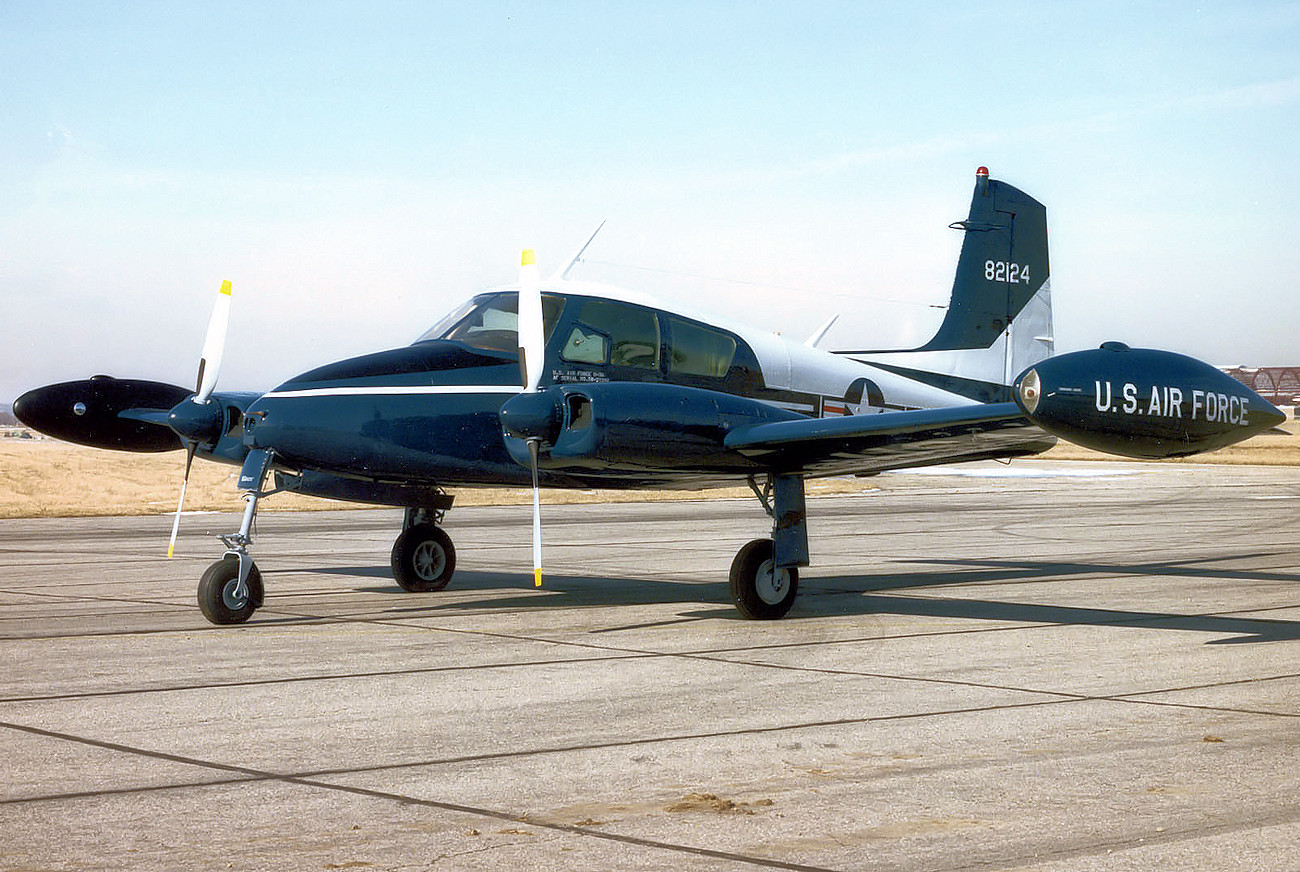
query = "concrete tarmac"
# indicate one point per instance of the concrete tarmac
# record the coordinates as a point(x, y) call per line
point(1036, 667)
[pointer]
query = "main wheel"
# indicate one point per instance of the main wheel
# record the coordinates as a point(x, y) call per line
point(759, 590)
point(423, 558)
point(217, 598)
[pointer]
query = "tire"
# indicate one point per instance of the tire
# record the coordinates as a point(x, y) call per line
point(423, 559)
point(757, 593)
point(216, 592)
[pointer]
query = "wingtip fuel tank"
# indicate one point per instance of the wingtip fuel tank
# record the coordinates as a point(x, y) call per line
point(1140, 402)
point(89, 412)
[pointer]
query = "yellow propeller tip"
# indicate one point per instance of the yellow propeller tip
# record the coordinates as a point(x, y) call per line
point(170, 549)
point(528, 258)
point(225, 287)
point(537, 578)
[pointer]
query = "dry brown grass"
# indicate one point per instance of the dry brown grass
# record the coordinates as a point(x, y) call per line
point(50, 479)
point(45, 478)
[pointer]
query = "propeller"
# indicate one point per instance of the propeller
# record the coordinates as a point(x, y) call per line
point(194, 424)
point(532, 353)
point(180, 503)
point(214, 345)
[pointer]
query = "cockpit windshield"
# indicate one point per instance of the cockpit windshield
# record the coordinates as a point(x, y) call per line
point(491, 321)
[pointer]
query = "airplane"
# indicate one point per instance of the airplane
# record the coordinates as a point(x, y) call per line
point(568, 384)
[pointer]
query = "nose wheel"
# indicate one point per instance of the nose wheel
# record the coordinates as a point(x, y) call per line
point(222, 599)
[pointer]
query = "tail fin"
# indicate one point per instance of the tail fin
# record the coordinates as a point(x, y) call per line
point(999, 319)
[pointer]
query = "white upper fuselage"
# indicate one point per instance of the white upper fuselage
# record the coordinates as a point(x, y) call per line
point(788, 367)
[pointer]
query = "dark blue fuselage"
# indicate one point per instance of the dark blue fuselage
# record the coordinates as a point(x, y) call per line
point(427, 413)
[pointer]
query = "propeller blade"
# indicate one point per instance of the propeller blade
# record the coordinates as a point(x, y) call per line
point(214, 345)
point(532, 352)
point(532, 332)
point(533, 446)
point(180, 504)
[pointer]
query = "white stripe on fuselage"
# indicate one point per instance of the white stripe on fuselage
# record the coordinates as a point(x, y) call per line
point(394, 391)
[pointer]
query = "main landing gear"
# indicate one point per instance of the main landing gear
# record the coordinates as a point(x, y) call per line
point(764, 578)
point(423, 557)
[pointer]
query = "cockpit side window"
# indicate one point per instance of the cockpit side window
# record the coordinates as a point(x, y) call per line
point(700, 350)
point(491, 321)
point(586, 345)
point(616, 333)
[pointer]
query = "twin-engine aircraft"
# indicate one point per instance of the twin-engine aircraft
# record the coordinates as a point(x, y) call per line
point(566, 384)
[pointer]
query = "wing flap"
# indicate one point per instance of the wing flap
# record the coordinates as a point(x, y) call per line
point(865, 444)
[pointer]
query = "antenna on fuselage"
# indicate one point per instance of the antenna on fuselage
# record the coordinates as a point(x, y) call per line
point(821, 332)
point(563, 275)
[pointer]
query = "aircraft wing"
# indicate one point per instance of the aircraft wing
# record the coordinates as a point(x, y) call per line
point(866, 444)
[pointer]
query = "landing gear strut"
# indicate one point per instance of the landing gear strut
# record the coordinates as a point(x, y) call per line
point(764, 578)
point(231, 589)
point(423, 557)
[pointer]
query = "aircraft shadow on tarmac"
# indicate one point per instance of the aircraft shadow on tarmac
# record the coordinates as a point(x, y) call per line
point(826, 596)
point(994, 572)
point(573, 590)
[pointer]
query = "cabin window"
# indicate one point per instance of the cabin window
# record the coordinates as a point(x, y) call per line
point(700, 350)
point(615, 333)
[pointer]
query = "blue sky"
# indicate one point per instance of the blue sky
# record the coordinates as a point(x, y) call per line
point(357, 169)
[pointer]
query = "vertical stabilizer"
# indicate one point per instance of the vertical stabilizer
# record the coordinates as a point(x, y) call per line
point(999, 318)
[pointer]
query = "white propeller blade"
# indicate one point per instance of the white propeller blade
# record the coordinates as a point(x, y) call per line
point(532, 333)
point(214, 345)
point(180, 504)
point(532, 353)
point(537, 517)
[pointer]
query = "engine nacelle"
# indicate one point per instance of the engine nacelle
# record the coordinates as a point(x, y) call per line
point(633, 426)
point(1138, 402)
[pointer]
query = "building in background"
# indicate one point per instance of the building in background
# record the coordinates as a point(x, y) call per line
point(1280, 385)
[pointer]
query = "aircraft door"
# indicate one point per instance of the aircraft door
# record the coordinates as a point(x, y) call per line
point(623, 339)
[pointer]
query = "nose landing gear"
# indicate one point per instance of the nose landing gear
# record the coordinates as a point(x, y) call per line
point(231, 589)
